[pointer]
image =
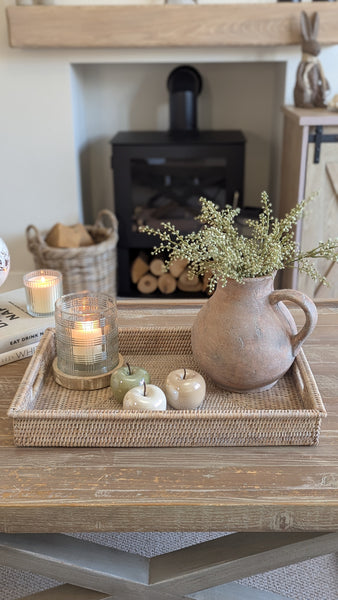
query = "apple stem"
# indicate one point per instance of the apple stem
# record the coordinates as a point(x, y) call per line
point(129, 369)
point(144, 388)
point(184, 372)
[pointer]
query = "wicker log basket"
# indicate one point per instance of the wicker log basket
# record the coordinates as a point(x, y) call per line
point(85, 268)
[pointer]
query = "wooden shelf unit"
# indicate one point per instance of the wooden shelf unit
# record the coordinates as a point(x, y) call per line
point(310, 166)
point(165, 26)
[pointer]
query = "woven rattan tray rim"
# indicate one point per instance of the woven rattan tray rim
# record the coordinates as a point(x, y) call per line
point(38, 366)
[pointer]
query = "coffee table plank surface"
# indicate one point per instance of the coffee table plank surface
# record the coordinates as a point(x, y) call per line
point(176, 489)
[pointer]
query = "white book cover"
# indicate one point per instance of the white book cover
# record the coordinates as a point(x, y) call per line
point(18, 354)
point(17, 327)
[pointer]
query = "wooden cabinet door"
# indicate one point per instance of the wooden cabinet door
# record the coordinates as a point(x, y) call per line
point(301, 176)
point(321, 219)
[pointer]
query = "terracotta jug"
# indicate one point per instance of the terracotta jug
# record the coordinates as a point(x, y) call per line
point(245, 338)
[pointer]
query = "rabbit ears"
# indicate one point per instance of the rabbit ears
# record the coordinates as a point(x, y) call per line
point(309, 27)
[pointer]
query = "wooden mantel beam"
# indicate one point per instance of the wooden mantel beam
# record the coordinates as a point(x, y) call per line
point(165, 26)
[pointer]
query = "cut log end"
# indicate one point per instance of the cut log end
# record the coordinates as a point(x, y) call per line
point(139, 268)
point(186, 283)
point(167, 284)
point(147, 284)
point(157, 267)
point(177, 267)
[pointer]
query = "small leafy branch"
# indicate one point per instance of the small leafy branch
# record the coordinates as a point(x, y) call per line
point(219, 250)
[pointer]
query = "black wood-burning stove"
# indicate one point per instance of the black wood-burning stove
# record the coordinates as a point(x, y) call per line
point(160, 176)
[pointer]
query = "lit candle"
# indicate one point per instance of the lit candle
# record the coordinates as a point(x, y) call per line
point(87, 341)
point(42, 288)
point(86, 335)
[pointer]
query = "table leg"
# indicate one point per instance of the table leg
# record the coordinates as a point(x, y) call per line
point(199, 571)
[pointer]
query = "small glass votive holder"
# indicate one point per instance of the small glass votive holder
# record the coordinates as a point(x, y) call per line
point(86, 339)
point(43, 288)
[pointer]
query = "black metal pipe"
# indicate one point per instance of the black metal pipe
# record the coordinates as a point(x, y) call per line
point(184, 84)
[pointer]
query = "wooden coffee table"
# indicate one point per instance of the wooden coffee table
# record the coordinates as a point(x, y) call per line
point(281, 501)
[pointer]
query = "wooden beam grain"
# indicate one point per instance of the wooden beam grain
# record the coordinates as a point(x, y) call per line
point(80, 563)
point(67, 592)
point(234, 591)
point(164, 26)
point(233, 557)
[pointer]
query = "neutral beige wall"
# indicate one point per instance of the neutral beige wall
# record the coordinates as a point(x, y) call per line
point(38, 167)
point(47, 121)
point(134, 97)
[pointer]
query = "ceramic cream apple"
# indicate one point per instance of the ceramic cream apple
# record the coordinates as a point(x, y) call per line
point(126, 377)
point(145, 397)
point(185, 389)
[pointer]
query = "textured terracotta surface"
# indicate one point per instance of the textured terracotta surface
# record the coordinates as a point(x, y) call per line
point(245, 338)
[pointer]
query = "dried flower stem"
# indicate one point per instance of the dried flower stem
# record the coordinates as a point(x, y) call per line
point(220, 250)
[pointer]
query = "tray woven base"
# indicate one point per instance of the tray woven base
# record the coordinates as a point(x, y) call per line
point(45, 414)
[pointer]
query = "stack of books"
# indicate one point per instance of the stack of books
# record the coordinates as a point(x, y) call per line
point(20, 333)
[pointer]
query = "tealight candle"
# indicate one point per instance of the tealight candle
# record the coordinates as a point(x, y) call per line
point(86, 335)
point(86, 341)
point(43, 288)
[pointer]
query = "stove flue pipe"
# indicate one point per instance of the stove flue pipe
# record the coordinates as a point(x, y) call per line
point(184, 84)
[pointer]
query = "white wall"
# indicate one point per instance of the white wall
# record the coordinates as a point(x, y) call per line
point(38, 166)
point(48, 120)
point(134, 97)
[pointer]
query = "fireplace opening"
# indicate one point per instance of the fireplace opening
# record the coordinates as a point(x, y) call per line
point(161, 175)
point(158, 177)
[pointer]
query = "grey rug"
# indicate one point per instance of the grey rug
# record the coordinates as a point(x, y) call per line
point(315, 579)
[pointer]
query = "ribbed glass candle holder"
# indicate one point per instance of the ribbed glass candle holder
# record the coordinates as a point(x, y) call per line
point(43, 288)
point(86, 334)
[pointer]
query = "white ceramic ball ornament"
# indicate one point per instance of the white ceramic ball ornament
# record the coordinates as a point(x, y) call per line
point(4, 262)
point(185, 389)
point(145, 397)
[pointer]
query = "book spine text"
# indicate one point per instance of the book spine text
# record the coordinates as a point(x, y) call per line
point(18, 354)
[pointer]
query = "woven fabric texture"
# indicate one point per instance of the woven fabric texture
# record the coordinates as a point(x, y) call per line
point(48, 415)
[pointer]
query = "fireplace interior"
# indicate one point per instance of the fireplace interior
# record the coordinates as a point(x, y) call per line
point(160, 176)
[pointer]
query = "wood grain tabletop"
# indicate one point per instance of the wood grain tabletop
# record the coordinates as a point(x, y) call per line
point(176, 489)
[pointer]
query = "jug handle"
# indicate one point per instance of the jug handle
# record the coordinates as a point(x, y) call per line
point(309, 309)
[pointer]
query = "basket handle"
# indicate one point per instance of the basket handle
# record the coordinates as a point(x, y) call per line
point(33, 236)
point(110, 217)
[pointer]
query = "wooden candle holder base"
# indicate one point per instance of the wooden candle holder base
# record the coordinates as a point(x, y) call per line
point(81, 383)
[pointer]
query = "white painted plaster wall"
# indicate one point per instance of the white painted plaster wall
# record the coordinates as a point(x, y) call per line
point(60, 105)
point(133, 97)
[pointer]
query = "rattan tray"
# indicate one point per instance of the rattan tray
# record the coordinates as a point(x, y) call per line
point(46, 414)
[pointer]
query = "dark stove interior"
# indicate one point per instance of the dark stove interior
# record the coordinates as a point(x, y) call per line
point(160, 176)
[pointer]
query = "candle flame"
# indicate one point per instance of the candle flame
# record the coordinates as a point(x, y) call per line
point(86, 325)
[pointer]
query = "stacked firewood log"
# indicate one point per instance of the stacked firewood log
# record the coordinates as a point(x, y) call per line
point(150, 275)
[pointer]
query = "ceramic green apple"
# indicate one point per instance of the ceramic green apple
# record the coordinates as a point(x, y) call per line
point(127, 377)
